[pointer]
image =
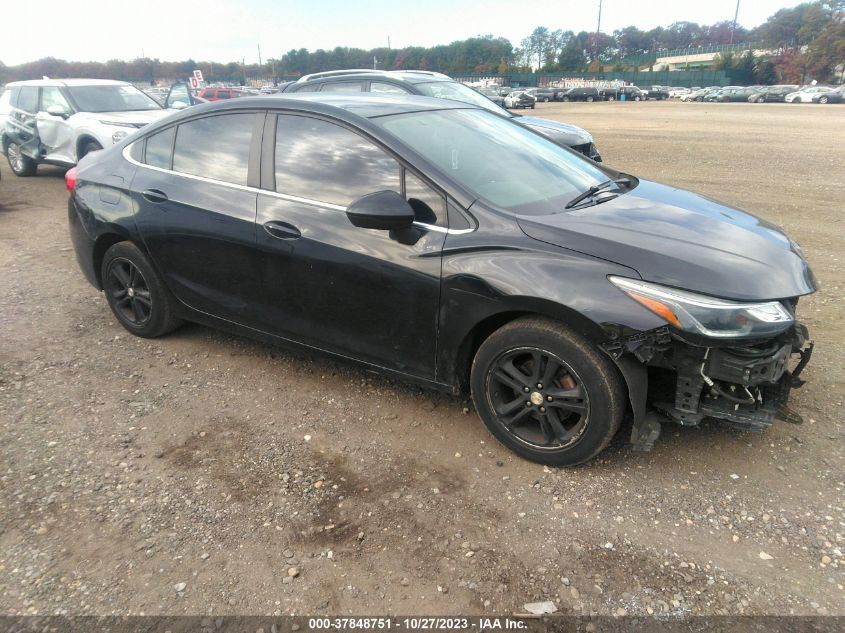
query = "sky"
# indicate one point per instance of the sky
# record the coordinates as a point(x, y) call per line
point(93, 30)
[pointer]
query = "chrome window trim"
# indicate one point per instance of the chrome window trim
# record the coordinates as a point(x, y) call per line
point(275, 194)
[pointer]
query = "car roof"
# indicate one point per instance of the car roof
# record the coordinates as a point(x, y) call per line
point(365, 105)
point(68, 82)
point(408, 76)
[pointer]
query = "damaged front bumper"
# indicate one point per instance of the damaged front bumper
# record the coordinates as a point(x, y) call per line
point(744, 384)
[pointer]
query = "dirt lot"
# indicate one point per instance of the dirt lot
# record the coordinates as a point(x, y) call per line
point(189, 474)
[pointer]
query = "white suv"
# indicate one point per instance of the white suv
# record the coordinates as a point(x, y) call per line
point(58, 121)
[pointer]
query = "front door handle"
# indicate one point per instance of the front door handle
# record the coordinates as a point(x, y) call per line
point(282, 230)
point(154, 195)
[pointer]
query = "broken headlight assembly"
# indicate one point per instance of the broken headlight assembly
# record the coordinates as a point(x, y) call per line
point(705, 315)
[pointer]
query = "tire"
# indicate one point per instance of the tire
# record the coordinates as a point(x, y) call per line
point(637, 98)
point(20, 164)
point(566, 99)
point(611, 98)
point(545, 99)
point(136, 294)
point(90, 146)
point(586, 390)
point(823, 99)
point(590, 99)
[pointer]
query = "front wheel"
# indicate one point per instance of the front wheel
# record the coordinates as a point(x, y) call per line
point(566, 99)
point(590, 99)
point(823, 99)
point(21, 164)
point(136, 294)
point(546, 393)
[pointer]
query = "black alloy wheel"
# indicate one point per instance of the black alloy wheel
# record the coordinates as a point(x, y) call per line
point(538, 398)
point(547, 393)
point(128, 292)
point(136, 294)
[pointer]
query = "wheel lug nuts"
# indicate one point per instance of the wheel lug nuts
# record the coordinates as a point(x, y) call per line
point(549, 398)
point(526, 389)
point(539, 385)
point(542, 409)
point(527, 403)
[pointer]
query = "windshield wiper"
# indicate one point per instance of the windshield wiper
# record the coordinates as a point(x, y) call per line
point(589, 193)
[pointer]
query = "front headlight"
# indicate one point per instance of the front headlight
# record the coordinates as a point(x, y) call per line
point(707, 316)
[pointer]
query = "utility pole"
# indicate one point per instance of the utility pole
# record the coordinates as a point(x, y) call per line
point(733, 27)
point(375, 62)
point(259, 55)
point(388, 42)
point(598, 27)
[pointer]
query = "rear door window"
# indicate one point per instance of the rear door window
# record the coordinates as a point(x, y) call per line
point(343, 86)
point(380, 87)
point(28, 99)
point(323, 161)
point(216, 147)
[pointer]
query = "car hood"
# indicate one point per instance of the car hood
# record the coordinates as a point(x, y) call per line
point(135, 118)
point(562, 132)
point(681, 239)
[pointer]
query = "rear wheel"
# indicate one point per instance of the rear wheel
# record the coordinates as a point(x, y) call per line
point(590, 99)
point(823, 99)
point(566, 99)
point(546, 393)
point(136, 294)
point(21, 164)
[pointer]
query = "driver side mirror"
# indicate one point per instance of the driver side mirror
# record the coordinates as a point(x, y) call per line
point(57, 110)
point(383, 210)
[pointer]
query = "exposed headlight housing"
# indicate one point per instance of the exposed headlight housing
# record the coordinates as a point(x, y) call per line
point(705, 315)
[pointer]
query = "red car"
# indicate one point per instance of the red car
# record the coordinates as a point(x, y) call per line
point(216, 94)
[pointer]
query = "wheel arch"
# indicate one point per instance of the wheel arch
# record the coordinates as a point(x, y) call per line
point(479, 331)
point(82, 141)
point(103, 243)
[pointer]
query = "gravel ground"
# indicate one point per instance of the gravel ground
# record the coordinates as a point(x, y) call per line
point(204, 473)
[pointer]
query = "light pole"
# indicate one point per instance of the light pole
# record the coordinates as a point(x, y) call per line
point(736, 15)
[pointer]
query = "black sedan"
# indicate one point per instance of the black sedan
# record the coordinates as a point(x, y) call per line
point(447, 245)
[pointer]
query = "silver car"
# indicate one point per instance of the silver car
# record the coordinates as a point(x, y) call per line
point(58, 121)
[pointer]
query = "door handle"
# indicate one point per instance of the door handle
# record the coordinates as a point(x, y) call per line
point(154, 195)
point(282, 230)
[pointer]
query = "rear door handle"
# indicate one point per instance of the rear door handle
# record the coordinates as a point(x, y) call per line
point(282, 230)
point(154, 195)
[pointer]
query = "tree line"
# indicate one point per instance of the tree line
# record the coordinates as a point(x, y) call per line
point(807, 40)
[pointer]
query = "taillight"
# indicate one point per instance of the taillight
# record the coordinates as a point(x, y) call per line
point(70, 179)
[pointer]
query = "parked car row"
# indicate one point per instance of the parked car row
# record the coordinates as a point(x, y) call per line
point(786, 93)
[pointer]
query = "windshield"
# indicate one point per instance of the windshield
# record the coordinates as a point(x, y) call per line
point(498, 161)
point(454, 91)
point(111, 98)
